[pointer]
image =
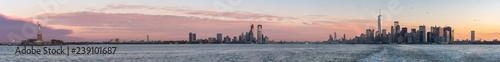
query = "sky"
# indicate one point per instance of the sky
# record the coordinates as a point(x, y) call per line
point(290, 20)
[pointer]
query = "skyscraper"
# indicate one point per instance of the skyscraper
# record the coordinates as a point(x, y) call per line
point(379, 23)
point(403, 33)
point(250, 36)
point(436, 34)
point(147, 36)
point(219, 37)
point(190, 37)
point(472, 36)
point(447, 34)
point(372, 34)
point(404, 30)
point(393, 35)
point(429, 37)
point(235, 39)
point(242, 37)
point(396, 26)
point(421, 34)
point(247, 37)
point(259, 34)
point(330, 39)
point(334, 36)
point(439, 35)
point(396, 23)
point(451, 35)
point(344, 39)
point(396, 32)
point(368, 32)
point(413, 35)
point(369, 35)
point(227, 39)
point(266, 39)
point(194, 37)
point(384, 31)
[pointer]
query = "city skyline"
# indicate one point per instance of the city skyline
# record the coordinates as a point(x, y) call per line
point(292, 21)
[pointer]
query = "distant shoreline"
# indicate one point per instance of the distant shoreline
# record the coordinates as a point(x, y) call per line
point(249, 44)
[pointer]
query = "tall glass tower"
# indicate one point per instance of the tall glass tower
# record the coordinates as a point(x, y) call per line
point(472, 36)
point(259, 34)
point(379, 23)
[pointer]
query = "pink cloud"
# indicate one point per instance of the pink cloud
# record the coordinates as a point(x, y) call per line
point(236, 15)
point(18, 29)
point(132, 26)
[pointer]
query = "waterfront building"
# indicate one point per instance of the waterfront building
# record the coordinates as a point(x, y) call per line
point(235, 39)
point(266, 39)
point(436, 34)
point(473, 36)
point(392, 35)
point(219, 37)
point(413, 35)
point(369, 36)
point(403, 34)
point(343, 39)
point(396, 32)
point(194, 37)
point(421, 34)
point(447, 34)
point(250, 35)
point(259, 34)
point(190, 37)
point(242, 37)
point(330, 39)
point(334, 36)
point(227, 39)
point(430, 39)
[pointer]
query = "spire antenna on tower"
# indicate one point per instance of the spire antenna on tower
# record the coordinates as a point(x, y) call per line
point(379, 11)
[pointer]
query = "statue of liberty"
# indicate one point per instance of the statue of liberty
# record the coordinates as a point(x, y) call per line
point(39, 39)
